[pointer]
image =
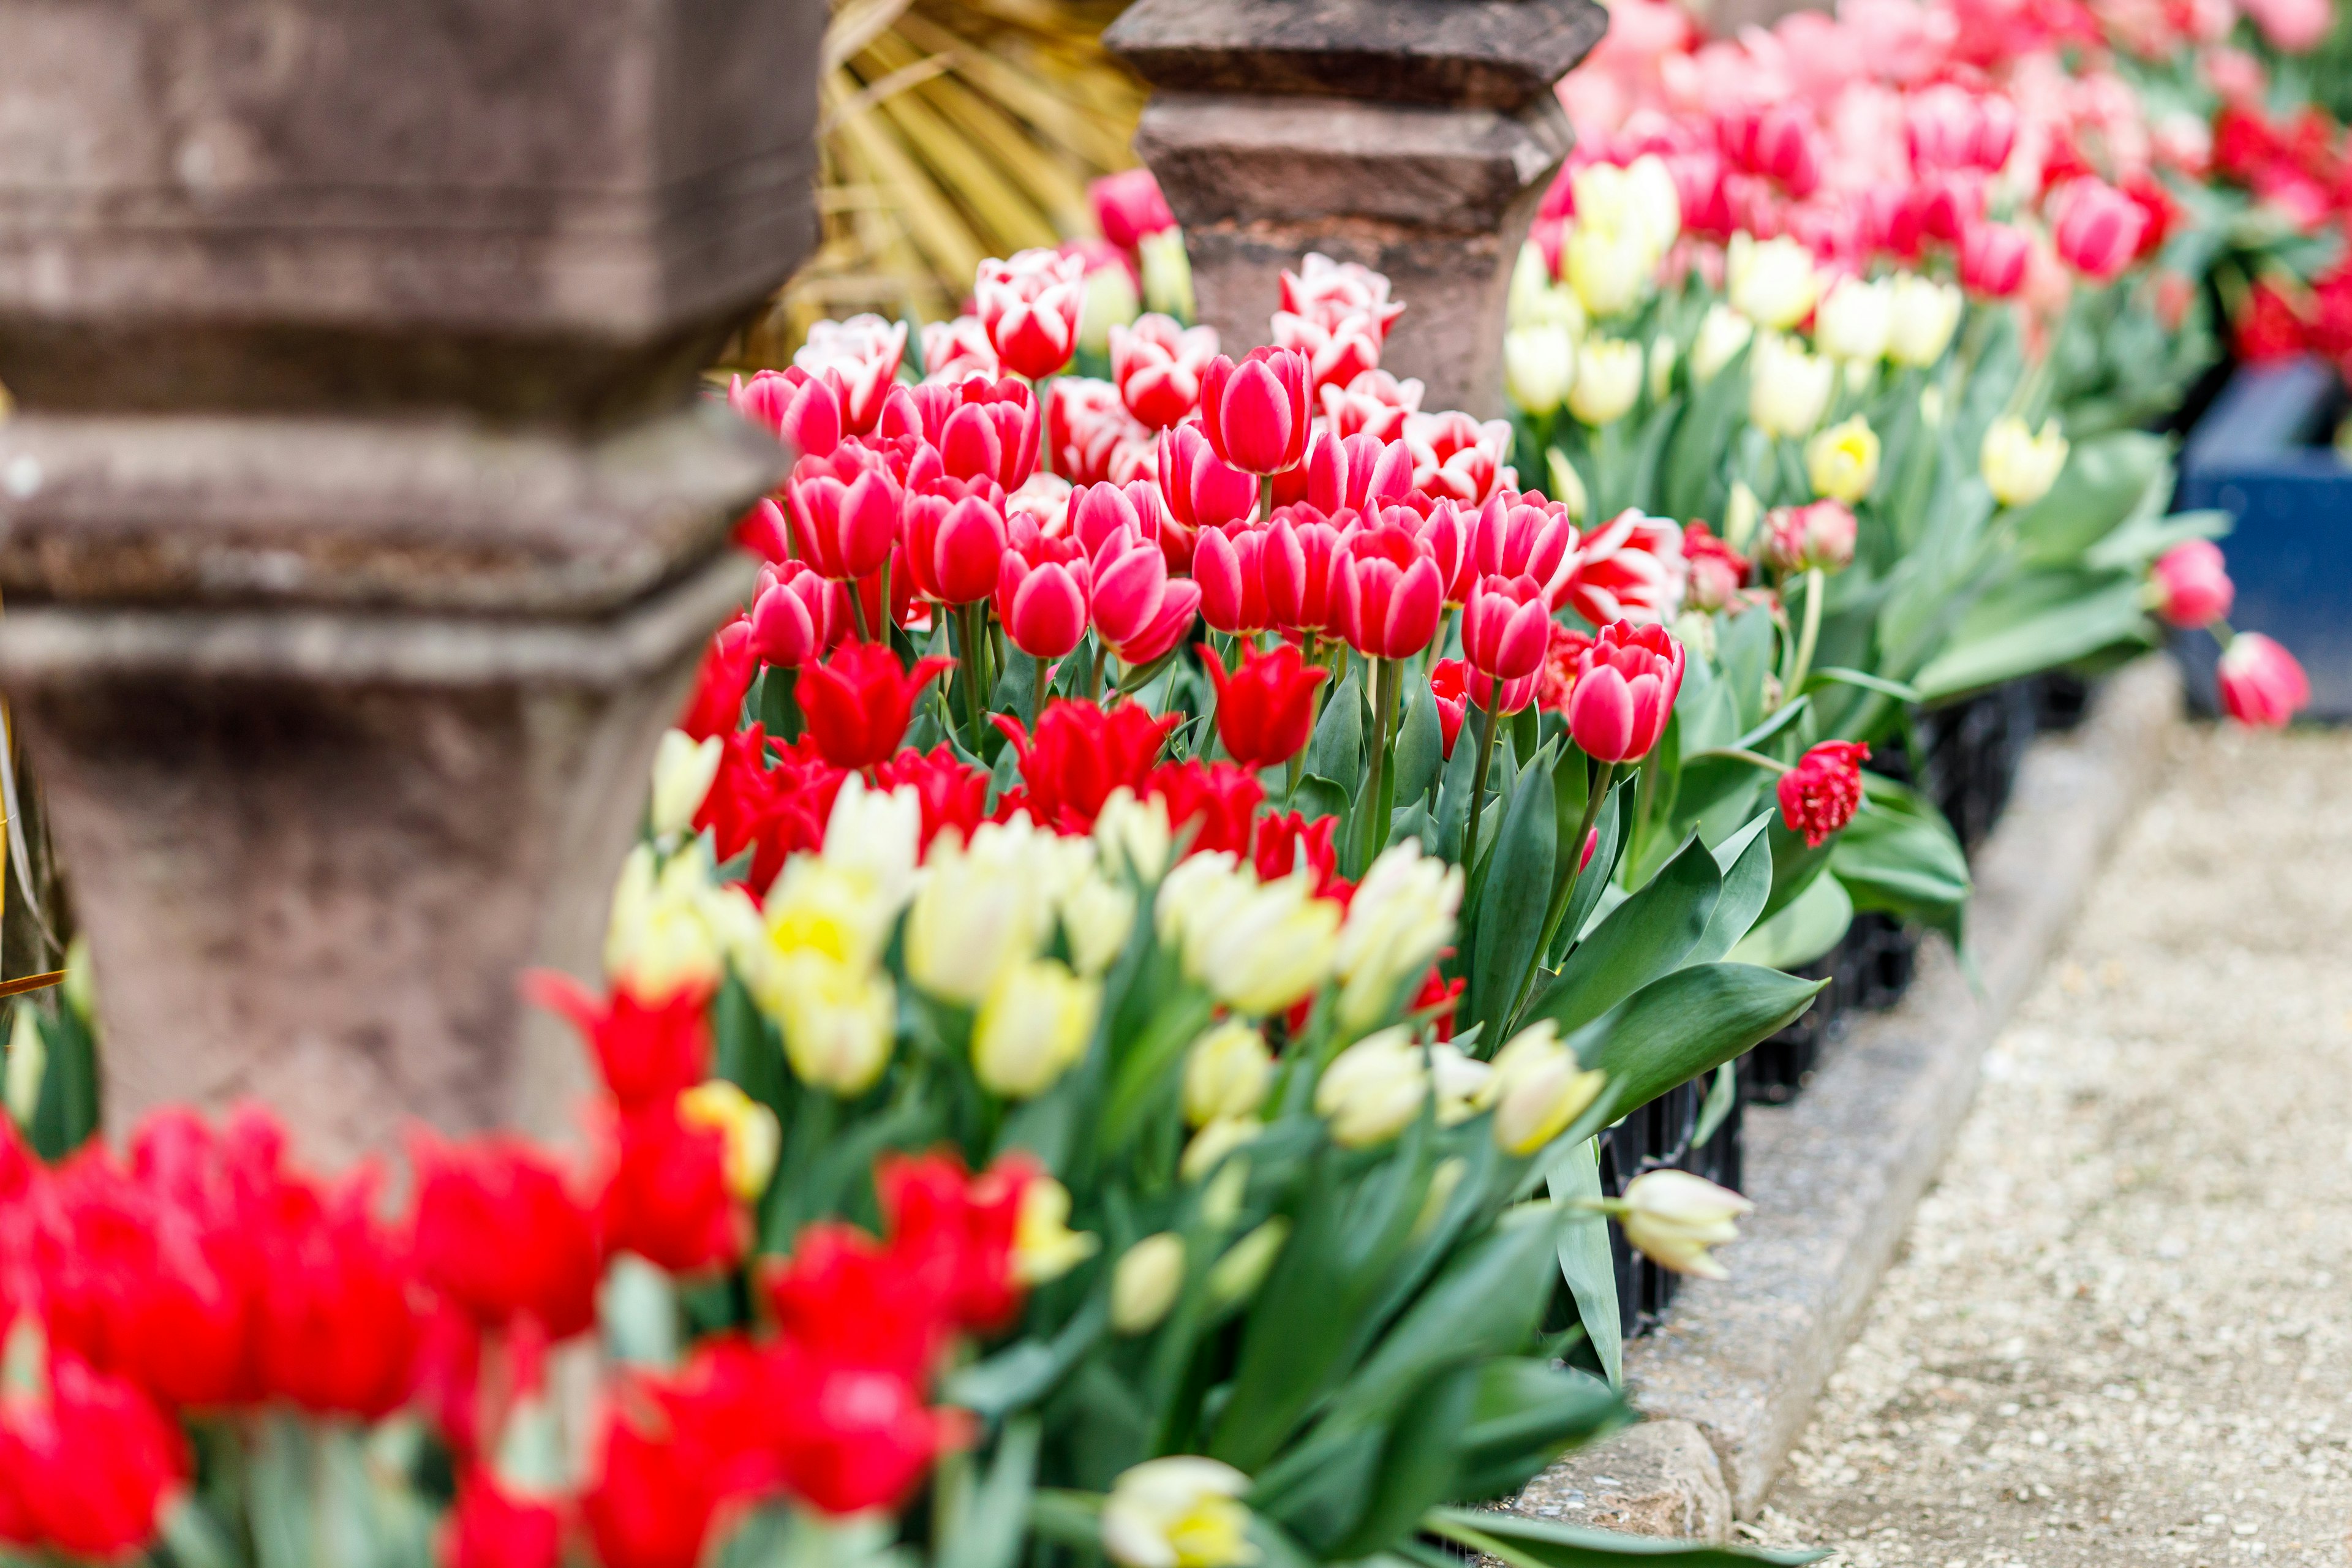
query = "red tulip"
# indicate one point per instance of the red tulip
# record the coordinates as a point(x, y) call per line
point(854, 1439)
point(2262, 683)
point(1624, 691)
point(981, 430)
point(1256, 413)
point(1289, 843)
point(1449, 686)
point(1329, 293)
point(1631, 570)
point(1042, 586)
point(87, 1464)
point(337, 1330)
point(1717, 571)
point(1518, 535)
point(646, 1052)
point(1156, 365)
point(1080, 754)
point(1389, 593)
point(1824, 790)
point(794, 406)
point(1801, 538)
point(669, 1199)
point(1357, 473)
point(1458, 681)
point(1558, 676)
point(1201, 490)
point(796, 614)
point(1099, 510)
point(1505, 628)
point(857, 703)
point(501, 1232)
point(845, 510)
point(491, 1526)
point(1992, 259)
point(957, 349)
point(954, 1230)
point(1300, 561)
point(2193, 586)
point(1266, 710)
point(1229, 564)
point(2095, 227)
point(653, 1500)
point(954, 537)
point(721, 684)
point(1029, 306)
point(1128, 207)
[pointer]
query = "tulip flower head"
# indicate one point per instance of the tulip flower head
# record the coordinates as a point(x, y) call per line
point(1266, 710)
point(1771, 282)
point(1043, 585)
point(2096, 229)
point(1819, 536)
point(1674, 1218)
point(1922, 316)
point(845, 510)
point(1505, 628)
point(797, 613)
point(1029, 306)
point(1842, 461)
point(1853, 319)
point(1144, 1283)
point(2189, 585)
point(1722, 334)
point(1256, 414)
point(1623, 691)
point(2262, 684)
point(1788, 388)
point(1257, 947)
point(1400, 915)
point(1091, 434)
point(1375, 404)
point(1390, 592)
point(1717, 571)
point(862, 355)
point(857, 703)
point(1156, 365)
point(2020, 466)
point(801, 406)
point(1538, 1089)
point(1631, 569)
point(981, 430)
point(1823, 792)
point(1993, 257)
point(1538, 367)
point(1180, 1511)
point(1033, 1027)
point(1226, 1071)
point(957, 349)
point(1608, 381)
point(1456, 458)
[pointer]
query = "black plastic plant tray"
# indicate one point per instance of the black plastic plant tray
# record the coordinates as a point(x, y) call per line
point(1656, 1137)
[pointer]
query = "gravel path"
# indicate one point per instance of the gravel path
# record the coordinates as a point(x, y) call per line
point(2121, 1331)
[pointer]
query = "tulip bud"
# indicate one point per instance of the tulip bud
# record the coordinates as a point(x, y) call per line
point(754, 1137)
point(1235, 1277)
point(1033, 1027)
point(1133, 836)
point(684, 770)
point(1672, 1217)
point(1623, 691)
point(1045, 1248)
point(1257, 947)
point(1923, 316)
point(1853, 319)
point(1256, 413)
point(1536, 1090)
point(1167, 274)
point(1654, 203)
point(839, 1023)
point(1771, 282)
point(1400, 915)
point(1097, 919)
point(1609, 266)
point(1373, 1091)
point(1539, 365)
point(1608, 380)
point(1226, 1074)
point(1212, 1143)
point(1801, 537)
point(1739, 515)
point(2261, 684)
point(1178, 1512)
point(2188, 585)
point(1144, 1283)
point(1843, 460)
point(2018, 466)
point(1567, 485)
point(1722, 334)
point(1788, 389)
point(1029, 307)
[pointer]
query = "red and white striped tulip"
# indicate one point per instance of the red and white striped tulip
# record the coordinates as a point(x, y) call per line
point(845, 510)
point(864, 354)
point(1156, 365)
point(1256, 413)
point(1029, 304)
point(1624, 690)
point(1302, 549)
point(1375, 404)
point(1389, 593)
point(1507, 626)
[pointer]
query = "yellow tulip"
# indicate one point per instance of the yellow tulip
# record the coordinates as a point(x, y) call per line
point(1044, 1245)
point(1373, 1089)
point(2019, 464)
point(839, 1020)
point(1843, 460)
point(1032, 1028)
point(1225, 1073)
point(1722, 334)
point(754, 1137)
point(1182, 1511)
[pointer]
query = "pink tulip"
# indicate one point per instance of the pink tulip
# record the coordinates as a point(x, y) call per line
point(1099, 510)
point(1801, 538)
point(1950, 202)
point(764, 532)
point(864, 354)
point(1446, 531)
point(1951, 127)
point(1229, 564)
point(1041, 591)
point(1453, 680)
point(1455, 456)
point(1623, 691)
point(2097, 227)
point(982, 429)
point(954, 351)
point(1507, 626)
point(1092, 436)
point(1030, 306)
point(1256, 414)
point(845, 510)
point(1128, 207)
point(1519, 536)
point(2262, 683)
point(1303, 551)
point(1633, 570)
point(1201, 490)
point(1178, 605)
point(1779, 141)
point(955, 535)
point(796, 614)
point(2293, 26)
point(1129, 577)
point(1993, 257)
point(2190, 586)
point(1389, 592)
point(1156, 364)
point(1359, 473)
point(793, 406)
point(1375, 404)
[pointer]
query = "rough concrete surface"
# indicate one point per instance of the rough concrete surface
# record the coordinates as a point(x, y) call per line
point(1659, 1478)
point(2119, 1332)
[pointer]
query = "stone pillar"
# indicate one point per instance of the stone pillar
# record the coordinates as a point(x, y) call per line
point(361, 523)
point(1415, 136)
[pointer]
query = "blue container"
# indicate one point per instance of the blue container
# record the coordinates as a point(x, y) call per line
point(2253, 457)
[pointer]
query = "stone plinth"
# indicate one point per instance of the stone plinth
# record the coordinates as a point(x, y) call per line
point(1415, 136)
point(361, 526)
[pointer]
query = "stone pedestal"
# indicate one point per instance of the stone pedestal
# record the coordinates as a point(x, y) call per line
point(361, 522)
point(1415, 136)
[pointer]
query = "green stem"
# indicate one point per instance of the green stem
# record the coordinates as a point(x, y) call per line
point(1816, 583)
point(1753, 759)
point(1376, 829)
point(1265, 496)
point(857, 612)
point(1593, 799)
point(1094, 681)
point(975, 705)
point(1487, 724)
point(1038, 692)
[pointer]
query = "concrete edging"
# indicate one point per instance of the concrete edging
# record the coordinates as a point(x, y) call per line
point(1836, 1174)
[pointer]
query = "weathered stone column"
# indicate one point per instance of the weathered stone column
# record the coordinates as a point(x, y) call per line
point(1415, 136)
point(360, 524)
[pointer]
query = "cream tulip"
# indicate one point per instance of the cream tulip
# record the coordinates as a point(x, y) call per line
point(1788, 389)
point(1033, 1026)
point(1538, 367)
point(1182, 1511)
point(1609, 266)
point(1722, 334)
point(1400, 915)
point(1921, 318)
point(2020, 466)
point(1371, 1092)
point(1226, 1071)
point(684, 770)
point(1144, 1283)
point(1673, 1217)
point(1771, 282)
point(1538, 1089)
point(1608, 380)
point(1852, 320)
